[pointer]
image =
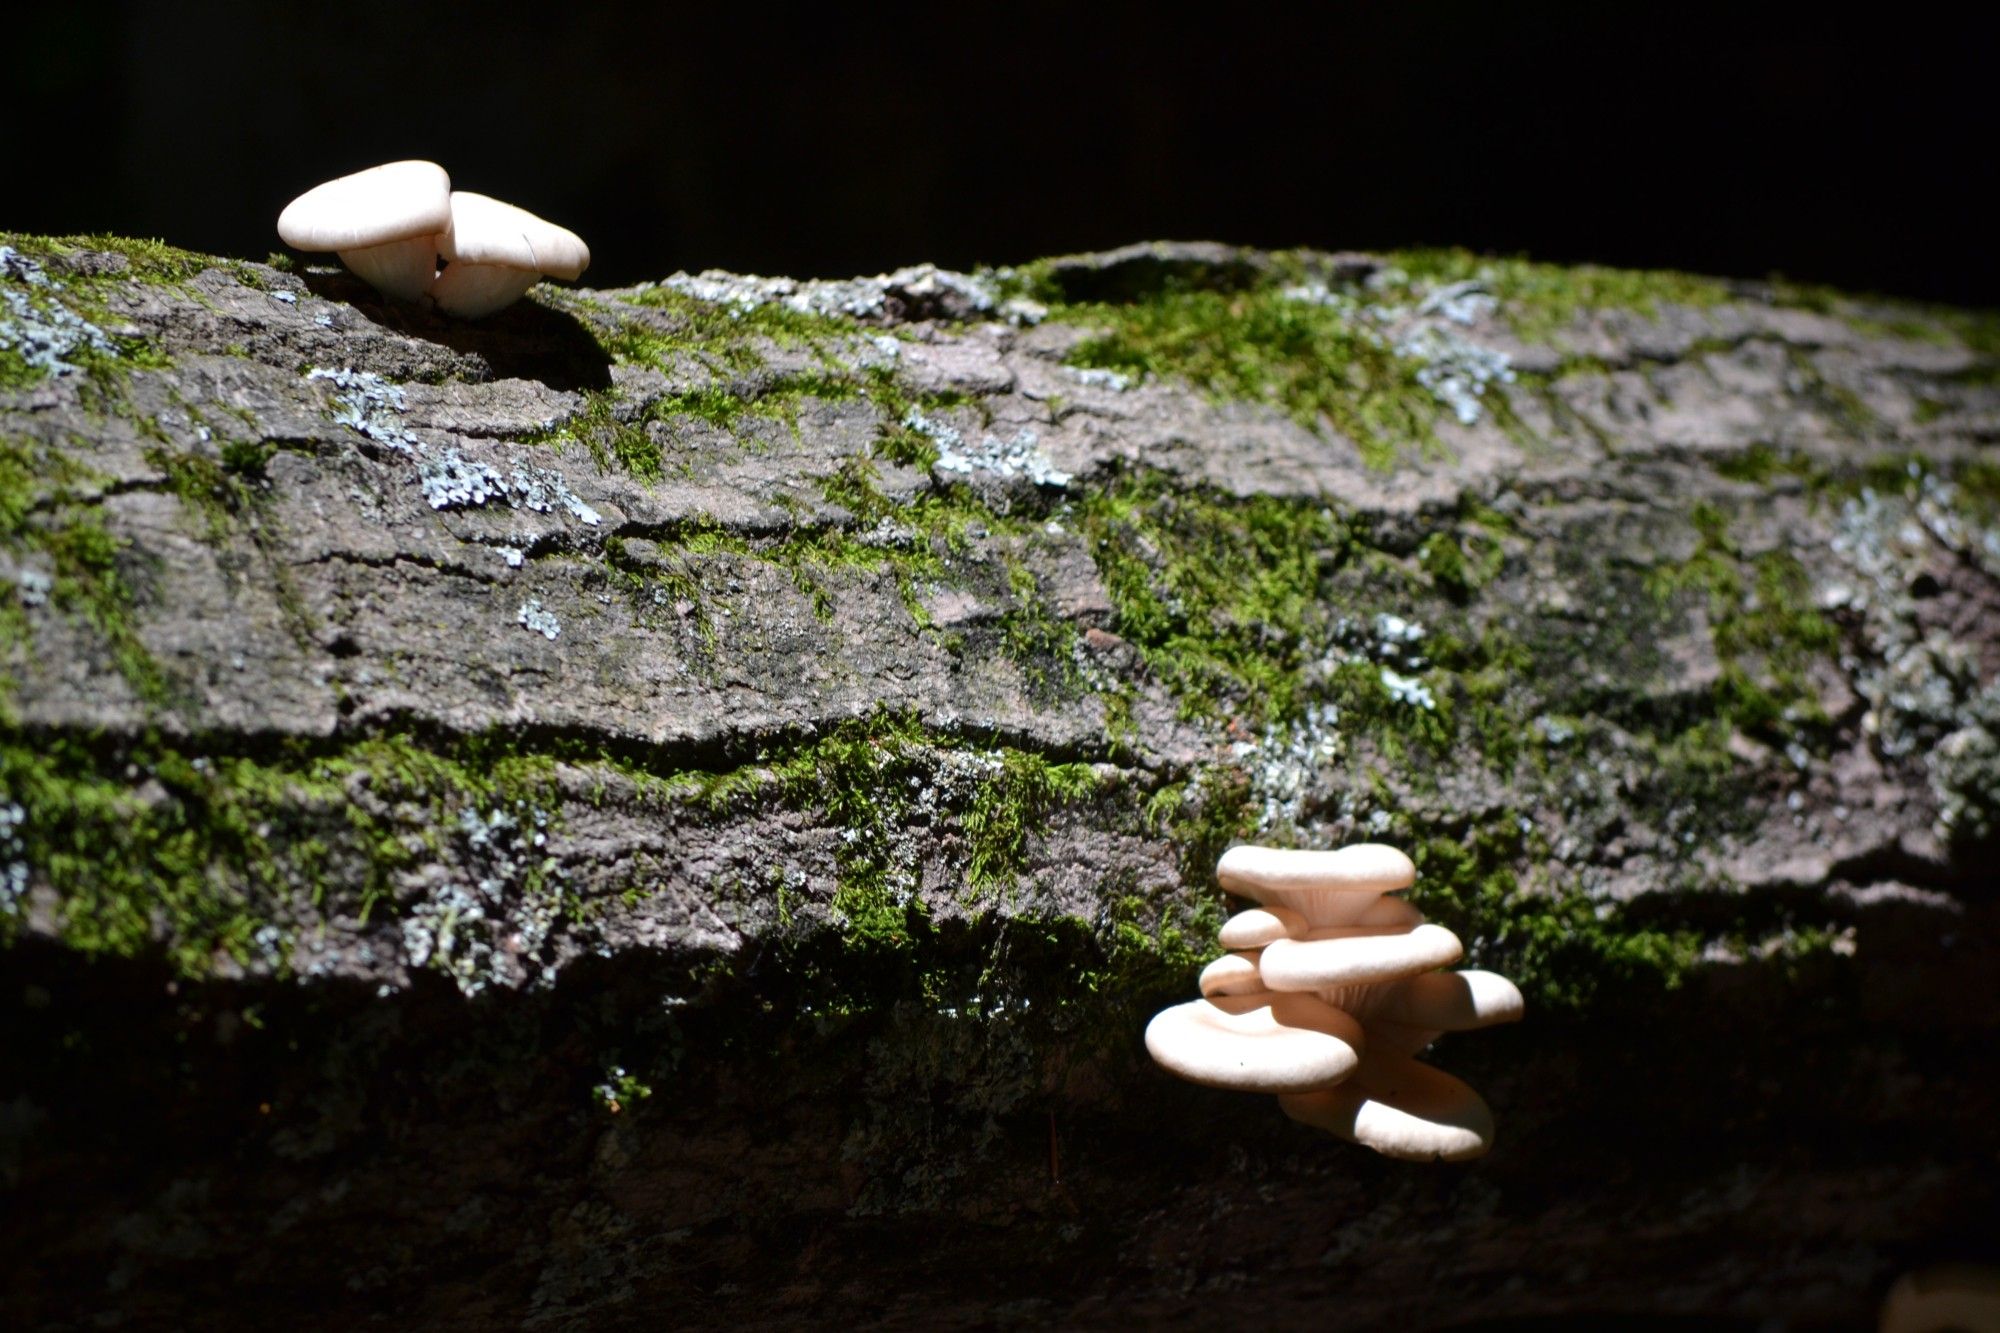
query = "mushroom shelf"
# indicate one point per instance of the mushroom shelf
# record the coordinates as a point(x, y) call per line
point(1330, 989)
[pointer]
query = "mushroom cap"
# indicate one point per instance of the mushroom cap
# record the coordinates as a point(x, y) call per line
point(1401, 1108)
point(486, 231)
point(1259, 926)
point(1344, 956)
point(1256, 1043)
point(1451, 1001)
point(1363, 867)
point(397, 201)
point(1232, 974)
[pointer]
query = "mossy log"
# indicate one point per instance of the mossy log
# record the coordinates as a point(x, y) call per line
point(672, 805)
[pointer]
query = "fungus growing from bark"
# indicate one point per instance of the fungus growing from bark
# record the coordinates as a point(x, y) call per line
point(1329, 993)
point(494, 252)
point(385, 223)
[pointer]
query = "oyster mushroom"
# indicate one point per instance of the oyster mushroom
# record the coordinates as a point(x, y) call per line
point(1256, 1043)
point(494, 252)
point(385, 223)
point(1330, 957)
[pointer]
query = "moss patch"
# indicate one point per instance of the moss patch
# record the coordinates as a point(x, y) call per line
point(1765, 626)
point(54, 529)
point(209, 857)
point(1221, 597)
point(1541, 299)
point(1316, 363)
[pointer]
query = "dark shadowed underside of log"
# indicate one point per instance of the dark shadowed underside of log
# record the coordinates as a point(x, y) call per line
point(671, 806)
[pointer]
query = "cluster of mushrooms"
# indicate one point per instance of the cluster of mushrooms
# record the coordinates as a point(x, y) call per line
point(1329, 991)
point(393, 224)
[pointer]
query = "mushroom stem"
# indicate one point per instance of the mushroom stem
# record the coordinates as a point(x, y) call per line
point(472, 291)
point(399, 269)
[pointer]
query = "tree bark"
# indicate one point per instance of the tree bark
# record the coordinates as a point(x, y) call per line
point(675, 804)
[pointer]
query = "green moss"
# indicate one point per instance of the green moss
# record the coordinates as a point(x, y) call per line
point(49, 520)
point(1237, 335)
point(15, 372)
point(1978, 484)
point(1566, 953)
point(1010, 804)
point(877, 779)
point(148, 261)
point(662, 588)
point(1540, 299)
point(1975, 482)
point(103, 367)
point(133, 870)
point(197, 857)
point(205, 486)
point(1149, 952)
point(612, 439)
point(719, 335)
point(1460, 563)
point(627, 439)
point(1222, 597)
point(1040, 642)
point(620, 1090)
point(1874, 316)
point(1762, 463)
point(860, 777)
point(1202, 815)
point(1235, 603)
point(732, 345)
point(1845, 409)
point(1766, 630)
point(1317, 364)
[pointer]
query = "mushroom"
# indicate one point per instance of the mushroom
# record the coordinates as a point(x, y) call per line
point(1327, 888)
point(1401, 1108)
point(1232, 974)
point(1259, 926)
point(385, 223)
point(1350, 955)
point(494, 252)
point(1256, 1043)
point(1330, 956)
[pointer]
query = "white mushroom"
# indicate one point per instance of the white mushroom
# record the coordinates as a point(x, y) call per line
point(1259, 926)
point(1329, 958)
point(495, 252)
point(1232, 974)
point(1452, 1001)
point(1401, 1108)
point(1328, 888)
point(1256, 1043)
point(384, 223)
point(1349, 955)
point(1410, 1014)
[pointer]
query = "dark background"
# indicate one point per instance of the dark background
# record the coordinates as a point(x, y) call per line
point(839, 139)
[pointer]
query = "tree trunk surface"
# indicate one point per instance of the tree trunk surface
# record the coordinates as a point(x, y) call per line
point(671, 807)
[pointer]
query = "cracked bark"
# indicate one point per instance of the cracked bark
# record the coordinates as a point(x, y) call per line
point(342, 1120)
